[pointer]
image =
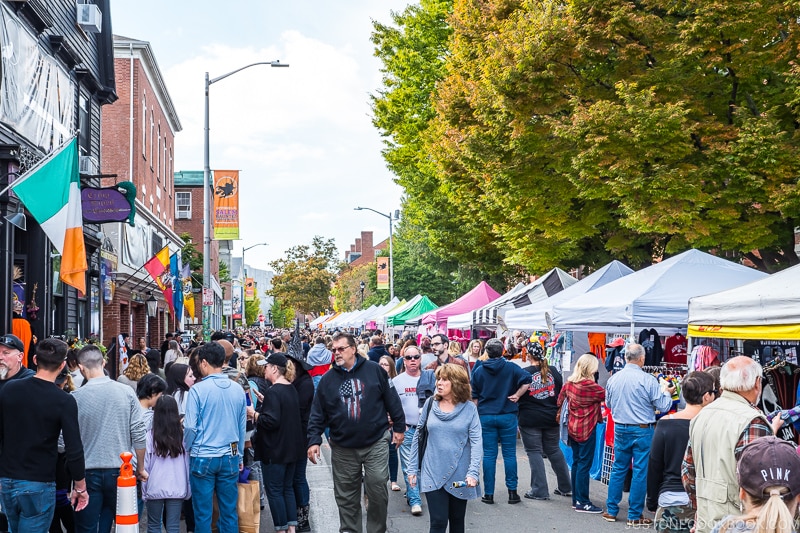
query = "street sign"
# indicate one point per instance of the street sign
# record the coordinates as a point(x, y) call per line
point(208, 296)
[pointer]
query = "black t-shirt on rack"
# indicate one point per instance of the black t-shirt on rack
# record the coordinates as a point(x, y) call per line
point(538, 406)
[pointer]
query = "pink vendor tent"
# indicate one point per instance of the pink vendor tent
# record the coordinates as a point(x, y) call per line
point(481, 295)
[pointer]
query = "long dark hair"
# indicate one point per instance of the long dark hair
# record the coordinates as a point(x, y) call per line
point(167, 428)
point(176, 378)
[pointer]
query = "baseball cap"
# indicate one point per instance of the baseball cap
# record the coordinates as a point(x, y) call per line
point(277, 359)
point(769, 462)
point(619, 341)
point(12, 341)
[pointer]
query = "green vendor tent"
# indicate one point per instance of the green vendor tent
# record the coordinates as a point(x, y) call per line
point(422, 306)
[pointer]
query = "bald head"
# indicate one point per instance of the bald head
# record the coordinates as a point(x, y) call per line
point(228, 349)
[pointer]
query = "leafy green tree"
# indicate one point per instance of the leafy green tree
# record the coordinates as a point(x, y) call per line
point(252, 309)
point(282, 316)
point(303, 279)
point(549, 133)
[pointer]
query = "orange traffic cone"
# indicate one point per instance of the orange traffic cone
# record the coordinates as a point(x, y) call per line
point(127, 508)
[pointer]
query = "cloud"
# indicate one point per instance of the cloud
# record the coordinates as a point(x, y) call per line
point(302, 137)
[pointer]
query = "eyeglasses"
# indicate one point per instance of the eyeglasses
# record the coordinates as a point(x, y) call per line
point(410, 357)
point(340, 349)
point(713, 391)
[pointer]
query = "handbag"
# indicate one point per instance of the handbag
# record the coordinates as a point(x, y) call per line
point(563, 422)
point(422, 434)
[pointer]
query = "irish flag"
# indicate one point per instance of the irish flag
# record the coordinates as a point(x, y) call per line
point(51, 192)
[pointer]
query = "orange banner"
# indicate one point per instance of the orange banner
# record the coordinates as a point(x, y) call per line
point(249, 289)
point(382, 270)
point(226, 205)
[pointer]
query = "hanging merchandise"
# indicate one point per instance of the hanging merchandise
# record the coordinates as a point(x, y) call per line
point(702, 357)
point(779, 392)
point(597, 345)
point(651, 342)
point(675, 349)
point(615, 355)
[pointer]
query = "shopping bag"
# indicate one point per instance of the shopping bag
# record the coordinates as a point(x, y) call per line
point(248, 507)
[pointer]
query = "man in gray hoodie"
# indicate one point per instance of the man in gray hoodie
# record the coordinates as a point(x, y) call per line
point(320, 359)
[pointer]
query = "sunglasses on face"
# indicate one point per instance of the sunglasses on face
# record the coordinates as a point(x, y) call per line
point(410, 357)
point(339, 349)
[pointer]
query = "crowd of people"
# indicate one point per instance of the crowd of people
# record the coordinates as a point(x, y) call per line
point(249, 407)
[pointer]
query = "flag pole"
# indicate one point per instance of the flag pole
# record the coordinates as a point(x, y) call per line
point(31, 171)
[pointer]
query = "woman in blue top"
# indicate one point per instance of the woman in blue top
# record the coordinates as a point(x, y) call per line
point(453, 452)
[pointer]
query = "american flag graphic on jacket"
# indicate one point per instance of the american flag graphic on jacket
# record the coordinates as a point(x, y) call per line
point(351, 392)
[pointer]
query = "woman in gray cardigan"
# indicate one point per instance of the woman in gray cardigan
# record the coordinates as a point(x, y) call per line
point(453, 452)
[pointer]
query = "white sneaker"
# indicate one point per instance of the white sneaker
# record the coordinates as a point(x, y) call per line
point(416, 510)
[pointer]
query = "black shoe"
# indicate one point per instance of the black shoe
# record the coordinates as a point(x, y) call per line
point(529, 495)
point(513, 497)
point(488, 498)
point(559, 493)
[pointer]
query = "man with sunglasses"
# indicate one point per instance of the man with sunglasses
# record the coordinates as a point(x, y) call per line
point(11, 353)
point(353, 399)
point(406, 386)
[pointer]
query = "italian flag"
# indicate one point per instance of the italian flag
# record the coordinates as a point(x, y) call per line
point(51, 192)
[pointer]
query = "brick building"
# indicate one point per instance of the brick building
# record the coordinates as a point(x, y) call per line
point(138, 140)
point(362, 251)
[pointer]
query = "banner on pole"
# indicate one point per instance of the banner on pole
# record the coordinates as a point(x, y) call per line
point(237, 303)
point(226, 205)
point(382, 270)
point(249, 290)
point(227, 307)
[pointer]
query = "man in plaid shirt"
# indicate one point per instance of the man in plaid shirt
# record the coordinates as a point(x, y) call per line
point(716, 438)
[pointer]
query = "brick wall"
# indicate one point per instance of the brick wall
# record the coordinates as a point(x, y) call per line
point(152, 170)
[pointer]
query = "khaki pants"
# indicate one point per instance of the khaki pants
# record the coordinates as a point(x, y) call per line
point(347, 464)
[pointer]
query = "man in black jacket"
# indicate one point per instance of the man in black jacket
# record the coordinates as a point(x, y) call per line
point(353, 399)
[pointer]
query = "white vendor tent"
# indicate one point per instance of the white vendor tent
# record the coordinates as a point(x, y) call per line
point(487, 316)
point(765, 309)
point(656, 296)
point(532, 317)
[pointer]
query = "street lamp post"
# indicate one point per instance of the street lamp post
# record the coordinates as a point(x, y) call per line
point(362, 286)
point(392, 217)
point(207, 194)
point(244, 277)
point(244, 267)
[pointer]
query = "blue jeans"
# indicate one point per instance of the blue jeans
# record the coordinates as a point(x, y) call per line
point(412, 494)
point(280, 494)
point(29, 505)
point(502, 429)
point(156, 510)
point(99, 514)
point(301, 493)
point(582, 457)
point(210, 474)
point(631, 443)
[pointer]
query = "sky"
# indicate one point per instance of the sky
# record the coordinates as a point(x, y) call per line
point(302, 137)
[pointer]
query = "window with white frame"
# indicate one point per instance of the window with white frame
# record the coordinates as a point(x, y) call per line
point(144, 125)
point(183, 205)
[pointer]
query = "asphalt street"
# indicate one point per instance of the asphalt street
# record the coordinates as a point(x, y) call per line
point(529, 515)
